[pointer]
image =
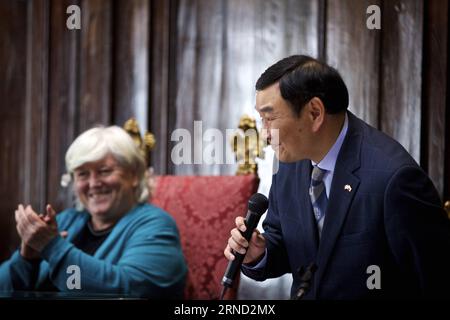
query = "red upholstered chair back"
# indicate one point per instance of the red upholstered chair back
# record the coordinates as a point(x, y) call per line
point(205, 208)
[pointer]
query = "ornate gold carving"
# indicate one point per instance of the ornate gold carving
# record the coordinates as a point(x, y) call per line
point(247, 146)
point(145, 144)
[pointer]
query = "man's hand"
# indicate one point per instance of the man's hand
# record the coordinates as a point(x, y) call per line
point(35, 231)
point(255, 249)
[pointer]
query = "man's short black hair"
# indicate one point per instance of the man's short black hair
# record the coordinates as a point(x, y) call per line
point(302, 78)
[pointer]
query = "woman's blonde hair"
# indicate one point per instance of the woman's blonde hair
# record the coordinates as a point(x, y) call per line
point(96, 143)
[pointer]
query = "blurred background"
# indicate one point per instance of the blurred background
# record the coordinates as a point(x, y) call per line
point(170, 62)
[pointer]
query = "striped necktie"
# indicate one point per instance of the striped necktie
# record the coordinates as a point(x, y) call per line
point(318, 195)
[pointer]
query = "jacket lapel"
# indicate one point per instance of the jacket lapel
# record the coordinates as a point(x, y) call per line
point(343, 188)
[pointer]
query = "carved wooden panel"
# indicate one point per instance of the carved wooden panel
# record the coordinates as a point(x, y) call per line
point(401, 73)
point(354, 50)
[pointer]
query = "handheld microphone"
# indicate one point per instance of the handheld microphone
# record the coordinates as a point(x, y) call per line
point(257, 205)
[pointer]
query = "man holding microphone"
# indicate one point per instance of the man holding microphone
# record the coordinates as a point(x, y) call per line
point(351, 214)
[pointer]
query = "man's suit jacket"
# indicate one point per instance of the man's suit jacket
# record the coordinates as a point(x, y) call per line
point(391, 218)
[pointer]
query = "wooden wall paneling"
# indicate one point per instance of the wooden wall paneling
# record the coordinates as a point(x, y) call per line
point(95, 63)
point(434, 90)
point(172, 77)
point(446, 183)
point(446, 192)
point(269, 31)
point(256, 35)
point(236, 71)
point(273, 30)
point(63, 99)
point(354, 51)
point(286, 27)
point(401, 70)
point(35, 157)
point(163, 15)
point(13, 60)
point(200, 63)
point(322, 29)
point(131, 54)
point(223, 47)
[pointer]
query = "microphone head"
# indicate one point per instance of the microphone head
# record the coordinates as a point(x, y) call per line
point(258, 203)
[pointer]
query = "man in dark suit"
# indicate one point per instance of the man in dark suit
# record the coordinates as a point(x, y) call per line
point(347, 200)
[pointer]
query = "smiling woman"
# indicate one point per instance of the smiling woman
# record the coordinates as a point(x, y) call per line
point(120, 243)
point(105, 189)
point(109, 174)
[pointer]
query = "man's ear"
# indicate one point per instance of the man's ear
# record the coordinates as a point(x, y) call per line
point(316, 113)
